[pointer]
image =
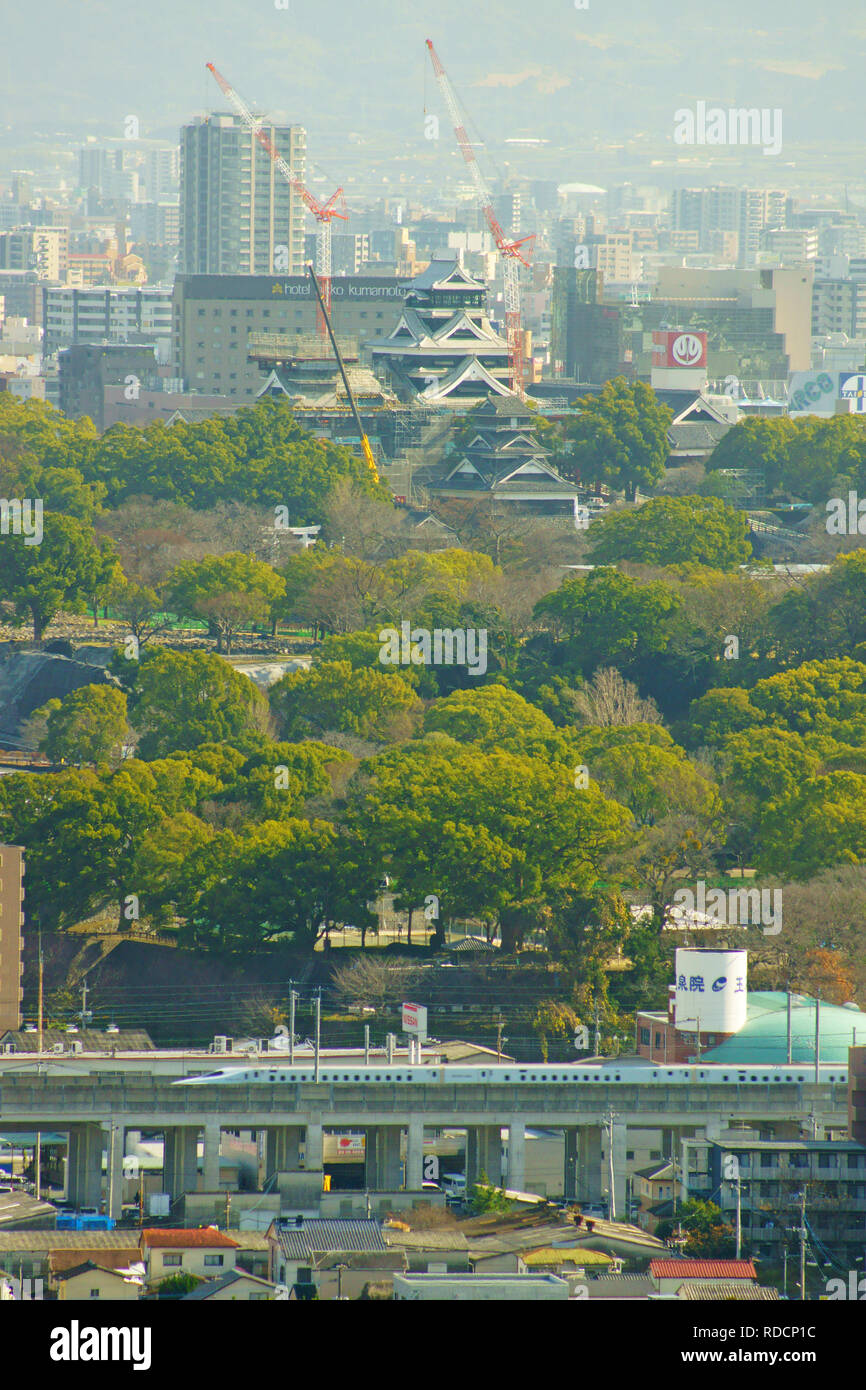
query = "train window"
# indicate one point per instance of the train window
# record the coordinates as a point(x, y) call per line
point(523, 1076)
point(533, 1077)
point(617, 1077)
point(345, 1077)
point(655, 1074)
point(357, 1077)
point(726, 1077)
point(753, 1078)
point(272, 1076)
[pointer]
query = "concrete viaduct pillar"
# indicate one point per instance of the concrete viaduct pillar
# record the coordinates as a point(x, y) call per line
point(211, 1172)
point(415, 1154)
point(384, 1169)
point(589, 1164)
point(484, 1154)
point(84, 1165)
point(282, 1150)
point(570, 1174)
point(116, 1139)
point(180, 1161)
point(314, 1148)
point(619, 1139)
point(516, 1168)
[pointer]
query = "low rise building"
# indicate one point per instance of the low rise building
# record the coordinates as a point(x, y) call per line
point(205, 1253)
point(88, 1282)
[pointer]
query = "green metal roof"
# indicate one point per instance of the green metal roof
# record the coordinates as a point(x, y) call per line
point(763, 1037)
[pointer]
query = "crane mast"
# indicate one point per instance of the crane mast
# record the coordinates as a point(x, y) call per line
point(514, 253)
point(324, 213)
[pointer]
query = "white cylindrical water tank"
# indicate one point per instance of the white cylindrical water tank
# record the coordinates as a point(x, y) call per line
point(710, 990)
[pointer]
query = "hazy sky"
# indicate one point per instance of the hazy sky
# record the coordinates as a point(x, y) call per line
point(619, 68)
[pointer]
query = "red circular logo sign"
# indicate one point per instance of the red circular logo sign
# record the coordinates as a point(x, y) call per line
point(687, 349)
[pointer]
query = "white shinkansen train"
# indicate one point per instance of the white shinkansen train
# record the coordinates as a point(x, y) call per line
point(609, 1073)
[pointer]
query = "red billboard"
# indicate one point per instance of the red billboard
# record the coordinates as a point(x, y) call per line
point(674, 347)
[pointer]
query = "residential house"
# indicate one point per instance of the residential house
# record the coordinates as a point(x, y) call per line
point(670, 1275)
point(300, 1245)
point(206, 1253)
point(90, 1281)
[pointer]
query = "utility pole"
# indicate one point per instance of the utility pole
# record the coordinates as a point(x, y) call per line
point(41, 980)
point(597, 1040)
point(499, 1040)
point(292, 1000)
point(366, 1044)
point(112, 1141)
point(318, 1029)
point(788, 1052)
point(803, 1246)
point(739, 1218)
point(817, 1039)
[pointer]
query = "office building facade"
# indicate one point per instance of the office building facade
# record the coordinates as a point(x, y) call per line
point(215, 314)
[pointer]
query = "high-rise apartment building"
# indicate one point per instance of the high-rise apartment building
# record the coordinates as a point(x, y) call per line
point(11, 942)
point(238, 214)
point(746, 211)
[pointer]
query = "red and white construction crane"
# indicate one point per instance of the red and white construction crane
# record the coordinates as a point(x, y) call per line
point(324, 213)
point(514, 253)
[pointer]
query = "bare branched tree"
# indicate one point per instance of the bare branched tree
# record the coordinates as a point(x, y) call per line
point(371, 983)
point(610, 699)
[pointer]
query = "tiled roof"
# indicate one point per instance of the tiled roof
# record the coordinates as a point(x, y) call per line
point(319, 1235)
point(620, 1286)
point(85, 1268)
point(702, 1269)
point(63, 1260)
point(232, 1276)
point(206, 1239)
point(427, 1240)
point(562, 1255)
point(89, 1241)
point(740, 1293)
point(91, 1039)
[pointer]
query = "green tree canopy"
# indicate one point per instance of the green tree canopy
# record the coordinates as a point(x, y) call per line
point(87, 726)
point(619, 437)
point(673, 530)
point(332, 696)
point(610, 619)
point(61, 573)
point(228, 591)
point(182, 699)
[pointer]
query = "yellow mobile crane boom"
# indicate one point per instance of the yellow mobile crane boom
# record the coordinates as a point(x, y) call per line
point(365, 443)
